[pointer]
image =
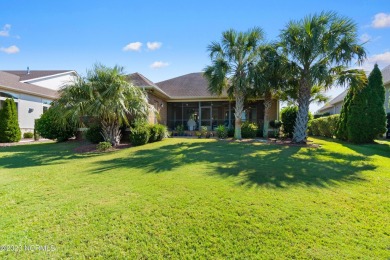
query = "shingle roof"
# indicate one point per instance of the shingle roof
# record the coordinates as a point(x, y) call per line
point(190, 85)
point(12, 82)
point(33, 74)
point(386, 75)
point(140, 80)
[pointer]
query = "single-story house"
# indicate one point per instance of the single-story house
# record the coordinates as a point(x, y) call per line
point(186, 97)
point(334, 106)
point(175, 101)
point(33, 91)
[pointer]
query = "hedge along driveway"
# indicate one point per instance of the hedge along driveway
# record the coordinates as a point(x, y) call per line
point(197, 198)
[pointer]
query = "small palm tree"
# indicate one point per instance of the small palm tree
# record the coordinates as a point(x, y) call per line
point(320, 47)
point(105, 95)
point(271, 76)
point(233, 63)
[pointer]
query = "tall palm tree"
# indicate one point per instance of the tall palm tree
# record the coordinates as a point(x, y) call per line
point(105, 95)
point(320, 46)
point(271, 76)
point(233, 61)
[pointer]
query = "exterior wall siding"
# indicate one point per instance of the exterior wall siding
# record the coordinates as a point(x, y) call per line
point(54, 82)
point(160, 106)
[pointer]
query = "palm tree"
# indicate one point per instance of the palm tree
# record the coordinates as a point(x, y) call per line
point(271, 76)
point(105, 95)
point(320, 47)
point(233, 62)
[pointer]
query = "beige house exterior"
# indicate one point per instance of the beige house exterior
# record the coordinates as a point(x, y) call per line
point(33, 91)
point(180, 100)
point(334, 106)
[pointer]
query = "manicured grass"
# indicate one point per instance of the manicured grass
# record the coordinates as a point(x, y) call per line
point(197, 198)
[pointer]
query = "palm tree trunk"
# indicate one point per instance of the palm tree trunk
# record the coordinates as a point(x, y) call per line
point(300, 126)
point(267, 107)
point(111, 133)
point(238, 109)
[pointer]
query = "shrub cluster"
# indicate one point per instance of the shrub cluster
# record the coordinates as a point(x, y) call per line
point(103, 146)
point(142, 133)
point(222, 132)
point(28, 135)
point(9, 125)
point(157, 132)
point(324, 126)
point(48, 126)
point(248, 130)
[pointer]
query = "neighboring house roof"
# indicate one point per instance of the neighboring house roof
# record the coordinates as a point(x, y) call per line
point(187, 86)
point(386, 75)
point(12, 82)
point(26, 75)
point(333, 102)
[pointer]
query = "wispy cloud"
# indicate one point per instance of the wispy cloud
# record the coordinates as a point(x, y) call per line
point(133, 46)
point(5, 31)
point(365, 37)
point(382, 59)
point(159, 64)
point(10, 50)
point(153, 45)
point(381, 20)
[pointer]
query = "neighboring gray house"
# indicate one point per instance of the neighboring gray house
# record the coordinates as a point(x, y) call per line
point(33, 91)
point(334, 106)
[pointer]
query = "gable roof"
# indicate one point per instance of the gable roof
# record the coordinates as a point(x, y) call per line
point(141, 81)
point(187, 86)
point(35, 74)
point(12, 82)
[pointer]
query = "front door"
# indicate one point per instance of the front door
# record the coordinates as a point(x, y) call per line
point(205, 117)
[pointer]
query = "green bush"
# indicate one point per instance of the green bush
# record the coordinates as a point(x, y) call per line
point(222, 132)
point(157, 132)
point(50, 127)
point(248, 130)
point(275, 123)
point(9, 125)
point(94, 134)
point(139, 134)
point(28, 135)
point(288, 116)
point(103, 146)
point(231, 132)
point(324, 126)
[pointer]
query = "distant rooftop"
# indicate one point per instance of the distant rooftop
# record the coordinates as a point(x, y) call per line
point(34, 74)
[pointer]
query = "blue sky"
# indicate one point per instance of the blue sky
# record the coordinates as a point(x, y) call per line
point(76, 34)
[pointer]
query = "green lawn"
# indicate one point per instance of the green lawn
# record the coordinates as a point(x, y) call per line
point(197, 198)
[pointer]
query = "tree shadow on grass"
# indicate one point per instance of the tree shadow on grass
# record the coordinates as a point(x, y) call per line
point(376, 148)
point(37, 154)
point(249, 164)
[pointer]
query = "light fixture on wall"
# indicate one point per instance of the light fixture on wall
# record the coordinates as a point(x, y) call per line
point(30, 110)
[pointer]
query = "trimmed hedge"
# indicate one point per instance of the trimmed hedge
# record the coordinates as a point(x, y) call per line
point(324, 126)
point(222, 132)
point(139, 134)
point(248, 130)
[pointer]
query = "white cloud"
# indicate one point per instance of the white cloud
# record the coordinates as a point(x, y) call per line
point(382, 59)
point(5, 31)
point(10, 50)
point(159, 64)
point(381, 20)
point(133, 46)
point(365, 37)
point(154, 45)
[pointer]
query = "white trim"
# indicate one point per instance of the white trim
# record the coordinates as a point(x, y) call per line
point(28, 92)
point(49, 76)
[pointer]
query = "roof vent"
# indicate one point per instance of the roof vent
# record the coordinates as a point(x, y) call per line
point(28, 70)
